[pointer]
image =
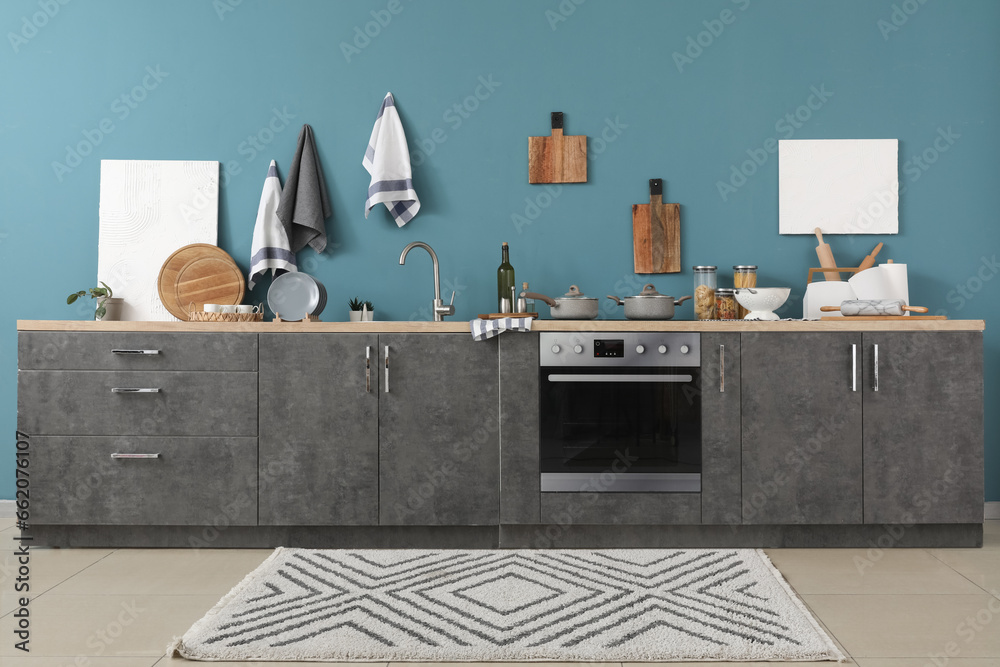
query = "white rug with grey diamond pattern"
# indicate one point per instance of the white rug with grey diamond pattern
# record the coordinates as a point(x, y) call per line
point(567, 605)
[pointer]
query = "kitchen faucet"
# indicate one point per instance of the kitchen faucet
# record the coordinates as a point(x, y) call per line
point(440, 310)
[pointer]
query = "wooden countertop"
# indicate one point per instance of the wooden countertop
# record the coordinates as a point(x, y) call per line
point(461, 326)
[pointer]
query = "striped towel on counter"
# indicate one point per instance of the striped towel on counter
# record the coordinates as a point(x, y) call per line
point(486, 329)
point(271, 248)
point(388, 161)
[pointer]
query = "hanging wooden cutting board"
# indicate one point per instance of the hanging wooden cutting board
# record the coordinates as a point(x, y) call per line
point(656, 233)
point(558, 158)
point(197, 274)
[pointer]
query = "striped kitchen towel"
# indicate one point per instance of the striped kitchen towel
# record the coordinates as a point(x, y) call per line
point(486, 329)
point(271, 248)
point(388, 161)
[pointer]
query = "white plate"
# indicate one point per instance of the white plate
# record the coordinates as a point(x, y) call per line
point(294, 295)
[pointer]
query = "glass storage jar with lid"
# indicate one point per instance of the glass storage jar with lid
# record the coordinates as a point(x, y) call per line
point(705, 281)
point(744, 275)
point(726, 307)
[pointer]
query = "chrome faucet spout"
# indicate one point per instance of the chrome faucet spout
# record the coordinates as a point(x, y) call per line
point(440, 310)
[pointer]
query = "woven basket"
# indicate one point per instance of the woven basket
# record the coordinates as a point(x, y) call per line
point(201, 316)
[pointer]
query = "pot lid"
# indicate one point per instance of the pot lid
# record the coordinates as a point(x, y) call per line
point(649, 291)
point(574, 293)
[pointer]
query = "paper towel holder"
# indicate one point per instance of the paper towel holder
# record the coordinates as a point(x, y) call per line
point(831, 269)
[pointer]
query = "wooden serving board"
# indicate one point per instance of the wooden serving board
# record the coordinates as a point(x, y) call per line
point(499, 316)
point(886, 318)
point(197, 274)
point(656, 233)
point(557, 158)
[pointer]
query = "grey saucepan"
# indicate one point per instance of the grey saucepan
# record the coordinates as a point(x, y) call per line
point(572, 306)
point(649, 304)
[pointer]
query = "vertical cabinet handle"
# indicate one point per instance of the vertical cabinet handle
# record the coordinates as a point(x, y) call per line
point(875, 379)
point(387, 369)
point(722, 369)
point(368, 368)
point(854, 366)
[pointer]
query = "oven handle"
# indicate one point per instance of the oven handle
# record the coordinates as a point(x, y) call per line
point(596, 377)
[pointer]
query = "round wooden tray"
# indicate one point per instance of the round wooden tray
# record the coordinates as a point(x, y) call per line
point(199, 273)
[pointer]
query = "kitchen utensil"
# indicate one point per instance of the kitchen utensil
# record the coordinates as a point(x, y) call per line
point(870, 307)
point(656, 233)
point(886, 318)
point(762, 301)
point(294, 295)
point(869, 261)
point(571, 306)
point(200, 273)
point(557, 158)
point(825, 255)
point(825, 293)
point(649, 304)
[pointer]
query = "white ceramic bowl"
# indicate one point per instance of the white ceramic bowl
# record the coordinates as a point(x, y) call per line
point(762, 304)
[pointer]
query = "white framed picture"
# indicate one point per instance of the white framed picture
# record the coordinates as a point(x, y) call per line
point(842, 186)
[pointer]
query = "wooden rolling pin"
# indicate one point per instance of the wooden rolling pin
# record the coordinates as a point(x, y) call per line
point(869, 261)
point(873, 307)
point(825, 255)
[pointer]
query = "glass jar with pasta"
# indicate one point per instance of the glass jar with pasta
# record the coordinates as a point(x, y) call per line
point(744, 275)
point(725, 304)
point(704, 292)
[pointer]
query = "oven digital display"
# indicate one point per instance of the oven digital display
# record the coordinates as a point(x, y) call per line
point(609, 348)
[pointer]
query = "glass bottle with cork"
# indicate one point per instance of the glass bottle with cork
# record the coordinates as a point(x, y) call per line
point(505, 282)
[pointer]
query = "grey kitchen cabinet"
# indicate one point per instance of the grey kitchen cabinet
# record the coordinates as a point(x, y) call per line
point(438, 430)
point(520, 493)
point(721, 456)
point(319, 429)
point(802, 428)
point(923, 427)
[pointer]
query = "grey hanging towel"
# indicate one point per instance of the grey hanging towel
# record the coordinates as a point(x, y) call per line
point(305, 204)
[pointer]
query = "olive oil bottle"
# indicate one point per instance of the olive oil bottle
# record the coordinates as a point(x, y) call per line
point(505, 281)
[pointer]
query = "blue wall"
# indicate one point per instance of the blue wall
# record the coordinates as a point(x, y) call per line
point(905, 69)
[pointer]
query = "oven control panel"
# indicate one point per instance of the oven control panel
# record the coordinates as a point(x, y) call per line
point(608, 349)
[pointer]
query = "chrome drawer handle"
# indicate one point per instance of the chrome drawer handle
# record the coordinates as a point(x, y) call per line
point(875, 387)
point(135, 390)
point(119, 455)
point(387, 369)
point(722, 369)
point(368, 369)
point(143, 352)
point(854, 367)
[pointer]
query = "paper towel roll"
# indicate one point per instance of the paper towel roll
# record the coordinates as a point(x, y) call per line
point(895, 278)
point(872, 283)
point(826, 293)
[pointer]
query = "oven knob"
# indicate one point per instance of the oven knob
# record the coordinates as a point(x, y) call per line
point(555, 349)
point(578, 349)
point(662, 349)
point(685, 349)
point(639, 349)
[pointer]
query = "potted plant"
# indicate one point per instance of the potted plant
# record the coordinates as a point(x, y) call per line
point(361, 311)
point(109, 307)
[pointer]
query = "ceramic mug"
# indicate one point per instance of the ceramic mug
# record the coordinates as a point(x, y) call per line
point(246, 309)
point(213, 308)
point(227, 309)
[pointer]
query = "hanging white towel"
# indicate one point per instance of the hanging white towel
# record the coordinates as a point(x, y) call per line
point(388, 161)
point(270, 249)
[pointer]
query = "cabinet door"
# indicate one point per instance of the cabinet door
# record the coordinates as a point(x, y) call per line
point(801, 395)
point(439, 445)
point(720, 429)
point(924, 427)
point(318, 430)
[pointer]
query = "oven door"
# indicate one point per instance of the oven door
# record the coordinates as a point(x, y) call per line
point(620, 430)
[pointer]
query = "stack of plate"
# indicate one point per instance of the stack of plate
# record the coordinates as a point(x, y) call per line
point(292, 296)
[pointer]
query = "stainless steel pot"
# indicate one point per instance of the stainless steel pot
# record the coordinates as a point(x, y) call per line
point(649, 304)
point(572, 306)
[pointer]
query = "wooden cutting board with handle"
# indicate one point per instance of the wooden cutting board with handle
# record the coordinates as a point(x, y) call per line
point(656, 233)
point(558, 158)
point(198, 274)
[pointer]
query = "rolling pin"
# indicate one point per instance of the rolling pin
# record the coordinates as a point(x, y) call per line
point(869, 261)
point(873, 307)
point(825, 255)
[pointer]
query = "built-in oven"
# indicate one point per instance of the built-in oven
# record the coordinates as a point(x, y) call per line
point(620, 412)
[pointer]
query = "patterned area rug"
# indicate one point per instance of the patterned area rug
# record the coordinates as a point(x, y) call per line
point(578, 605)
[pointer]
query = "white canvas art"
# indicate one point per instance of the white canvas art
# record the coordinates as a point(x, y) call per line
point(149, 209)
point(842, 186)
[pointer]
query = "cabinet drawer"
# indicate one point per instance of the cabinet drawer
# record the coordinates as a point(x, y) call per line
point(104, 351)
point(621, 508)
point(185, 403)
point(192, 481)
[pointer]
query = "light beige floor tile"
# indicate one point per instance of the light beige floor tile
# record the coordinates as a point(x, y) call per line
point(67, 661)
point(106, 625)
point(166, 661)
point(926, 662)
point(6, 523)
point(979, 566)
point(166, 572)
point(860, 571)
point(46, 567)
point(991, 535)
point(716, 664)
point(910, 625)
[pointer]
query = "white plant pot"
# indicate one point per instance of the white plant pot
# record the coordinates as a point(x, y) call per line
point(356, 316)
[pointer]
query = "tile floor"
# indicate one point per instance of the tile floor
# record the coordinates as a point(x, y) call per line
point(121, 607)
